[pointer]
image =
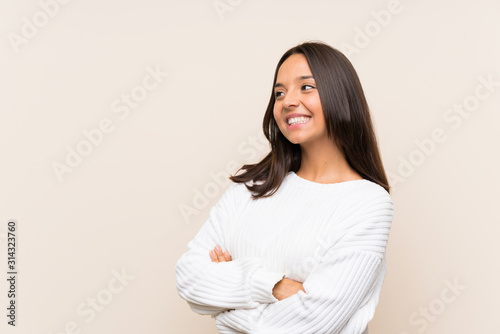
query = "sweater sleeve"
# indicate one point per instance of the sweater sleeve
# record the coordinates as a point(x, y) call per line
point(210, 287)
point(338, 286)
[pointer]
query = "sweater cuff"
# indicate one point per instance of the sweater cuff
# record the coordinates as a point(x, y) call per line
point(262, 284)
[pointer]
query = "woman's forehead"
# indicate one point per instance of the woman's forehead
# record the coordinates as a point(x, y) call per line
point(295, 67)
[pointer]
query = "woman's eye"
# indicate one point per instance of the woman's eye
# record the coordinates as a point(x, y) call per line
point(308, 86)
point(277, 94)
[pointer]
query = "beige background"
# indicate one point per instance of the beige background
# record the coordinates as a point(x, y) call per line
point(120, 206)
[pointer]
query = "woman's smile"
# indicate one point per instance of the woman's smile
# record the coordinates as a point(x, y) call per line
point(297, 122)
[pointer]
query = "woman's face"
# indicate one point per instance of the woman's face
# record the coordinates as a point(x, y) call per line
point(297, 107)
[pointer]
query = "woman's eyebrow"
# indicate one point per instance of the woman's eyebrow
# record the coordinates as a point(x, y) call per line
point(301, 77)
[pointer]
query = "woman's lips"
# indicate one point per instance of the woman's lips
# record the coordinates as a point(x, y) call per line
point(298, 125)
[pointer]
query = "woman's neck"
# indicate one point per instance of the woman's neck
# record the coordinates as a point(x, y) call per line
point(325, 163)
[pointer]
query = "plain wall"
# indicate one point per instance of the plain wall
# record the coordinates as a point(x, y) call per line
point(139, 192)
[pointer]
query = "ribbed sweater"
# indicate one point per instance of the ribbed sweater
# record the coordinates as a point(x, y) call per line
point(330, 237)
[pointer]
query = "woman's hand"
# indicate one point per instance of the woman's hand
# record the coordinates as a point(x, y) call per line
point(217, 256)
point(283, 289)
point(286, 288)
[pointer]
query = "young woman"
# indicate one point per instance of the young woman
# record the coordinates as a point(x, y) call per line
point(301, 247)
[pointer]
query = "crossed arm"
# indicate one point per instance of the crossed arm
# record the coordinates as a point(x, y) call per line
point(243, 294)
point(283, 289)
point(212, 287)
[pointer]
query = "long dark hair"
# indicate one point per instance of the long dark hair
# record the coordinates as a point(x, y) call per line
point(347, 118)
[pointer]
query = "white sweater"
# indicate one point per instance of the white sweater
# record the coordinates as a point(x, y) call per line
point(330, 237)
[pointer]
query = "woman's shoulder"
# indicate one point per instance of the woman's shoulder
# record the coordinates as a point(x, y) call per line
point(367, 195)
point(375, 190)
point(235, 192)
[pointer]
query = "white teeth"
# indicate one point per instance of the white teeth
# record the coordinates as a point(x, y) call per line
point(296, 120)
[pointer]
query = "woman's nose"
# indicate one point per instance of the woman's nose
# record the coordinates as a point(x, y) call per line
point(291, 100)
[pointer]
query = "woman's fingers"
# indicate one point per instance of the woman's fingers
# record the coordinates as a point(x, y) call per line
point(286, 288)
point(216, 255)
point(213, 256)
point(220, 256)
